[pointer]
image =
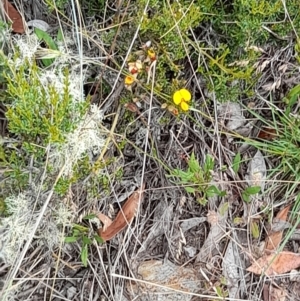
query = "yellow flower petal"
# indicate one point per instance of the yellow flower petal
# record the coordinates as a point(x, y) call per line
point(177, 98)
point(129, 80)
point(184, 106)
point(182, 95)
point(185, 94)
point(151, 54)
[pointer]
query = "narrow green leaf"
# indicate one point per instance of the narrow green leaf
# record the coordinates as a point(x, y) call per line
point(42, 35)
point(76, 232)
point(294, 91)
point(84, 255)
point(193, 164)
point(208, 164)
point(184, 176)
point(202, 201)
point(80, 228)
point(86, 240)
point(254, 229)
point(246, 197)
point(98, 238)
point(60, 36)
point(224, 208)
point(190, 189)
point(70, 239)
point(47, 62)
point(222, 193)
point(220, 292)
point(237, 221)
point(89, 216)
point(252, 190)
point(212, 191)
point(236, 162)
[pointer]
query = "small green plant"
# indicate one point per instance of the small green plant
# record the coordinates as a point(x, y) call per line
point(254, 229)
point(36, 112)
point(249, 191)
point(51, 44)
point(167, 27)
point(196, 179)
point(83, 235)
point(292, 98)
point(221, 291)
point(59, 4)
point(236, 163)
point(62, 186)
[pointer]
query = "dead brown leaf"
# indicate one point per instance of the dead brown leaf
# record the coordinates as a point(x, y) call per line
point(267, 133)
point(123, 218)
point(274, 237)
point(265, 292)
point(272, 293)
point(274, 264)
point(277, 294)
point(13, 16)
point(105, 220)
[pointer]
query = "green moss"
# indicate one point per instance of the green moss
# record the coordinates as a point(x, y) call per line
point(62, 186)
point(13, 162)
point(2, 207)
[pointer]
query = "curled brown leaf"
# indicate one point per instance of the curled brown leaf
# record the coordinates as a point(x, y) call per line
point(105, 220)
point(14, 16)
point(124, 217)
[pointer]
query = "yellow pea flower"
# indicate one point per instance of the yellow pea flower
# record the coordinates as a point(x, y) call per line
point(182, 97)
point(151, 54)
point(184, 106)
point(129, 80)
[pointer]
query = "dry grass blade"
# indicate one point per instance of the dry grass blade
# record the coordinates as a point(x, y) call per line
point(124, 217)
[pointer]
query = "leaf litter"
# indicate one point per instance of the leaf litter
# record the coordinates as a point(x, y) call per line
point(14, 16)
point(275, 263)
point(164, 227)
point(123, 218)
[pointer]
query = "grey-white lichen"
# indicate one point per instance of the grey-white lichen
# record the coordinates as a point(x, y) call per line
point(17, 227)
point(84, 140)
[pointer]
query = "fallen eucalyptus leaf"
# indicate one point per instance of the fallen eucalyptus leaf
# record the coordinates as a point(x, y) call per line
point(123, 218)
point(231, 269)
point(275, 264)
point(14, 16)
point(274, 237)
point(257, 171)
point(232, 116)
